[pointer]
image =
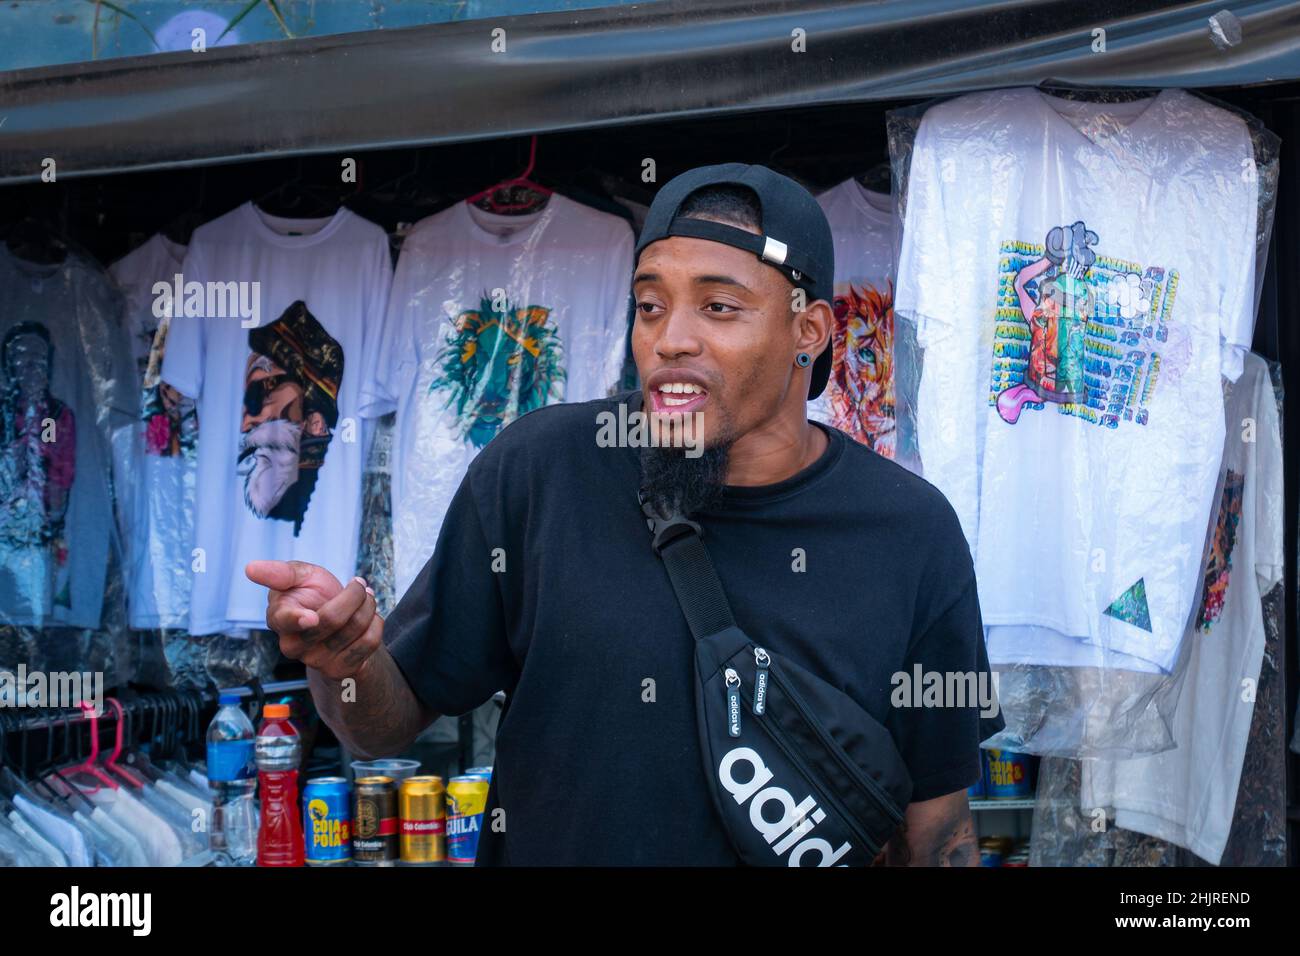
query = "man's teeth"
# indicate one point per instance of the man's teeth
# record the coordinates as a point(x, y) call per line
point(679, 388)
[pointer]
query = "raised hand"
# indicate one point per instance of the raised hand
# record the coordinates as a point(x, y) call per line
point(328, 626)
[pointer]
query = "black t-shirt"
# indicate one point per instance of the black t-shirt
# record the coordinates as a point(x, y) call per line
point(543, 584)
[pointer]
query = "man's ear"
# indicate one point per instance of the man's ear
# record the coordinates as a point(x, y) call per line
point(813, 332)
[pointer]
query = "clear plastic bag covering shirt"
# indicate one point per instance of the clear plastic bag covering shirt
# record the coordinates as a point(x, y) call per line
point(1187, 794)
point(1081, 275)
point(66, 384)
point(491, 316)
point(154, 461)
point(279, 394)
point(861, 397)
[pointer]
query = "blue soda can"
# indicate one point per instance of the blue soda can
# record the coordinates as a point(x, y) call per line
point(1008, 775)
point(466, 802)
point(327, 821)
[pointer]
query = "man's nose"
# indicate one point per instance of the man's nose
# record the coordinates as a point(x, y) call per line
point(678, 336)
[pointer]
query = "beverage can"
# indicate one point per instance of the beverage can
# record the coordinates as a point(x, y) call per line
point(422, 809)
point(374, 822)
point(1008, 775)
point(327, 821)
point(466, 801)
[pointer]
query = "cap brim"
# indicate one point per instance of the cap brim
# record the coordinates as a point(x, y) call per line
point(821, 373)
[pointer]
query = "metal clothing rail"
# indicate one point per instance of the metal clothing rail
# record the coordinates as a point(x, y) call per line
point(153, 701)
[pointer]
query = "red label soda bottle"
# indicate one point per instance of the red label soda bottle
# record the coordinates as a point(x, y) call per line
point(279, 751)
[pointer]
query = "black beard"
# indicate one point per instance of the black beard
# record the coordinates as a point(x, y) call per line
point(675, 484)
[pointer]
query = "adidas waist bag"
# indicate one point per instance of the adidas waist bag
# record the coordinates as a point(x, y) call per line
point(801, 775)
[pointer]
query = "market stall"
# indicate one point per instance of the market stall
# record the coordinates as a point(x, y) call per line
point(354, 185)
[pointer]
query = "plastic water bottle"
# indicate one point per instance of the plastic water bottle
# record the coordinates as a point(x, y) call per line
point(232, 778)
point(279, 751)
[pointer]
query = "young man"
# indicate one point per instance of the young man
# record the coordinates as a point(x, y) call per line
point(544, 584)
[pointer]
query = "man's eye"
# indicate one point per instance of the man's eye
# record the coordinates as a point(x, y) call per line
point(646, 307)
point(719, 308)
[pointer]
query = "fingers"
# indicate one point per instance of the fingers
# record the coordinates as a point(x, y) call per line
point(277, 575)
point(336, 613)
point(286, 615)
point(349, 660)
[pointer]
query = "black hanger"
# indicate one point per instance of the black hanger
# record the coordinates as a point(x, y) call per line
point(181, 226)
point(295, 198)
point(1066, 90)
point(36, 241)
point(877, 179)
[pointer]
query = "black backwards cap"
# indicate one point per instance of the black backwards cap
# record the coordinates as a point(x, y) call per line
point(796, 237)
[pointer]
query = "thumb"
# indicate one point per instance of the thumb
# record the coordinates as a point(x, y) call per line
point(278, 575)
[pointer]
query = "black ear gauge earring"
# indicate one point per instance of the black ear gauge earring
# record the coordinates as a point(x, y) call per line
point(803, 360)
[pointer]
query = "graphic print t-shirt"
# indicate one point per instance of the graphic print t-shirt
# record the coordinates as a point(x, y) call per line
point(1187, 795)
point(860, 396)
point(66, 383)
point(1081, 276)
point(280, 450)
point(155, 461)
point(490, 317)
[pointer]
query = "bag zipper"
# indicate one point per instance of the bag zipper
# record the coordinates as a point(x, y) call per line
point(849, 767)
point(732, 683)
point(761, 660)
point(825, 796)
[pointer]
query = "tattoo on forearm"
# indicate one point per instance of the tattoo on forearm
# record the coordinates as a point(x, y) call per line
point(948, 839)
point(383, 716)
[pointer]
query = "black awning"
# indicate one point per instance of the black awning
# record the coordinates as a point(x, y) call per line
point(562, 71)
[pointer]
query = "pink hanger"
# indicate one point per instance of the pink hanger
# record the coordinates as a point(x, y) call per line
point(520, 180)
point(88, 765)
point(111, 763)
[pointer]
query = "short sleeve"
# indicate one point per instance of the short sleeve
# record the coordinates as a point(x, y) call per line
point(1241, 217)
point(618, 307)
point(941, 744)
point(376, 397)
point(448, 633)
point(924, 289)
point(1270, 506)
point(390, 363)
point(182, 366)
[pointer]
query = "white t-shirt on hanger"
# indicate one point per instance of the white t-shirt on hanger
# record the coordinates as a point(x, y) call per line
point(155, 461)
point(490, 317)
point(860, 396)
point(280, 447)
point(1187, 795)
point(1081, 276)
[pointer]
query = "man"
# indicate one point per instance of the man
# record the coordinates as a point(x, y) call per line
point(543, 582)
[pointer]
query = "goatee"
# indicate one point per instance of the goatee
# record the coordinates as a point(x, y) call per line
point(675, 484)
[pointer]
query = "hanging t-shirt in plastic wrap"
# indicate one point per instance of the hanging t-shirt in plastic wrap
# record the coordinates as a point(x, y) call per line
point(1081, 276)
point(491, 316)
point(1187, 794)
point(861, 398)
point(375, 551)
point(66, 383)
point(157, 508)
point(272, 340)
point(1066, 834)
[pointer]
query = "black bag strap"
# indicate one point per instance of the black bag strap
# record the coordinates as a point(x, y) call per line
point(678, 542)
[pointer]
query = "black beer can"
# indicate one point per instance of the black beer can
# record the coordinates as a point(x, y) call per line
point(374, 822)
